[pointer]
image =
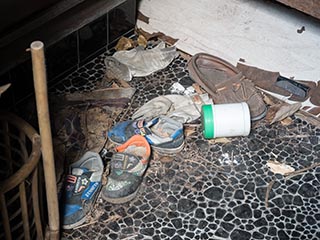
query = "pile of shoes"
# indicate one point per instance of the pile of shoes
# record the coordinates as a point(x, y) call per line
point(127, 166)
point(157, 127)
point(84, 182)
point(164, 134)
point(133, 139)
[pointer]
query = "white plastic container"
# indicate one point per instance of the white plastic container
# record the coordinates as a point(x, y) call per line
point(225, 120)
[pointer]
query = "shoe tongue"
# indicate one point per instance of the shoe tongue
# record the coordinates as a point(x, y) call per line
point(124, 161)
point(78, 171)
point(143, 127)
point(78, 180)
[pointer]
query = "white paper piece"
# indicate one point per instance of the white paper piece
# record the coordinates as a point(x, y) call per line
point(280, 168)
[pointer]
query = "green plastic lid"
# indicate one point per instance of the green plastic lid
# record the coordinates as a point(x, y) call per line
point(207, 121)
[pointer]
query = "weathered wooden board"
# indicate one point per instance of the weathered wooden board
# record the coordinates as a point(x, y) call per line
point(311, 7)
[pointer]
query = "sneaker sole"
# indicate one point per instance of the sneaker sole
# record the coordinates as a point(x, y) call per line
point(71, 226)
point(122, 199)
point(168, 151)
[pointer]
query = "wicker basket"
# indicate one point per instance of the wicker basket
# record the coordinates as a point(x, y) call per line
point(20, 203)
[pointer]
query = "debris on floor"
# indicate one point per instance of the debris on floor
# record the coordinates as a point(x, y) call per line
point(164, 179)
point(124, 44)
point(177, 88)
point(81, 119)
point(96, 121)
point(275, 83)
point(279, 112)
point(157, 36)
point(111, 97)
point(278, 167)
point(155, 107)
point(128, 43)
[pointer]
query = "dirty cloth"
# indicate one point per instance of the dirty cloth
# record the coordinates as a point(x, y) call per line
point(142, 62)
point(116, 70)
point(182, 108)
point(280, 111)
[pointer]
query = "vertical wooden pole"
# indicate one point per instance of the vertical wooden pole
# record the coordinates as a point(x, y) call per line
point(5, 217)
point(24, 211)
point(35, 204)
point(40, 85)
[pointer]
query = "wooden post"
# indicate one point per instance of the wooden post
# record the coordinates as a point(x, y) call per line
point(40, 85)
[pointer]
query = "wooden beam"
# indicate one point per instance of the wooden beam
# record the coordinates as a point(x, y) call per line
point(311, 7)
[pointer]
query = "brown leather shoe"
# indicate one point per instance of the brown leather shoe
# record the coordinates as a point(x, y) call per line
point(225, 83)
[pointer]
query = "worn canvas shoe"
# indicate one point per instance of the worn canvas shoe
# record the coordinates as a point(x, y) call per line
point(153, 108)
point(116, 69)
point(181, 108)
point(82, 188)
point(142, 62)
point(127, 168)
point(164, 134)
point(225, 83)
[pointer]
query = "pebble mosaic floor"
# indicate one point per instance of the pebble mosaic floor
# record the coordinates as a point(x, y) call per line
point(212, 190)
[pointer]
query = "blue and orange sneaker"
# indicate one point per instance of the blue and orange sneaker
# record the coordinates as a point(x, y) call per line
point(82, 188)
point(127, 167)
point(164, 134)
